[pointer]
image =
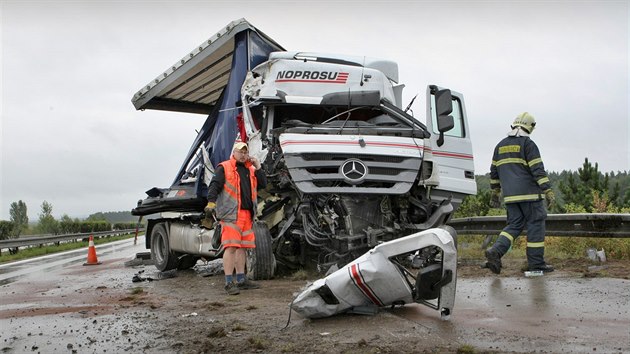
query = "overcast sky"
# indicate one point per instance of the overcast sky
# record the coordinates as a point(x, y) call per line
point(71, 136)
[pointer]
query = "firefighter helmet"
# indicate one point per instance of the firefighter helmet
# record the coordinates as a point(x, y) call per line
point(525, 121)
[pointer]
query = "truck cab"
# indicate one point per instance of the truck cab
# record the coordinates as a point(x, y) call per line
point(348, 167)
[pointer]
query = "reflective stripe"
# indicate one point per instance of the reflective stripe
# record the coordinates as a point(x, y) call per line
point(535, 161)
point(234, 226)
point(522, 198)
point(248, 243)
point(494, 163)
point(508, 236)
point(495, 181)
point(543, 181)
point(535, 244)
point(231, 189)
point(509, 148)
point(231, 241)
point(511, 160)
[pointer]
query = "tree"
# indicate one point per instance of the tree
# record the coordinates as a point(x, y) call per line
point(6, 229)
point(47, 223)
point(67, 225)
point(96, 217)
point(581, 192)
point(19, 217)
point(474, 205)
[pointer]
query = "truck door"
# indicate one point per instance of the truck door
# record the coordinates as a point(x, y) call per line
point(451, 150)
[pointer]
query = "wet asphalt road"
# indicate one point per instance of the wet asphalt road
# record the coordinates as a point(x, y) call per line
point(56, 304)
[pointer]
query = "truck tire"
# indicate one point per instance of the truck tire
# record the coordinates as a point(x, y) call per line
point(261, 263)
point(161, 254)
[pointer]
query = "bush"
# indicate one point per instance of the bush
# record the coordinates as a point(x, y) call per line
point(124, 225)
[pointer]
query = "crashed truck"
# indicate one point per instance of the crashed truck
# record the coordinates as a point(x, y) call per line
point(348, 167)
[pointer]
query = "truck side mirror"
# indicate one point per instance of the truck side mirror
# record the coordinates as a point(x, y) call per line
point(444, 107)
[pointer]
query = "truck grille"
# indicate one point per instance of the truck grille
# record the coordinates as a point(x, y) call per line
point(365, 174)
point(343, 157)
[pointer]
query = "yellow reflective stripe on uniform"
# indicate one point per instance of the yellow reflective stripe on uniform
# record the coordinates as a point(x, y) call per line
point(494, 181)
point(535, 161)
point(543, 181)
point(522, 198)
point(508, 236)
point(535, 244)
point(511, 160)
point(494, 163)
point(509, 148)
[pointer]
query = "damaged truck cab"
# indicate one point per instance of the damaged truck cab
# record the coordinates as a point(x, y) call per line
point(348, 169)
point(351, 169)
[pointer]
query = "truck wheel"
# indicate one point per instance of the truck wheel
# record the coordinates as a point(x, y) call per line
point(161, 254)
point(261, 263)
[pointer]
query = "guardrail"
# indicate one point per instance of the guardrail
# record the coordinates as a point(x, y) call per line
point(569, 225)
point(49, 239)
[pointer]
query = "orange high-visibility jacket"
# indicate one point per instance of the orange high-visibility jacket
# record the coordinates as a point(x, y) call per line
point(229, 201)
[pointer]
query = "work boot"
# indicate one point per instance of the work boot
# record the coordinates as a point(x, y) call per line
point(232, 289)
point(546, 268)
point(494, 260)
point(247, 284)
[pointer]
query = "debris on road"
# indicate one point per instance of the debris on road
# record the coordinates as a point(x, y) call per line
point(388, 275)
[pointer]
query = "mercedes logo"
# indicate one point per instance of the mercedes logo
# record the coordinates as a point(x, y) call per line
point(354, 171)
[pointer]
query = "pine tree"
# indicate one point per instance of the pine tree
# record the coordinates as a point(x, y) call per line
point(590, 184)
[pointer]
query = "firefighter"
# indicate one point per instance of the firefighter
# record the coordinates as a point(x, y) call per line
point(232, 193)
point(517, 170)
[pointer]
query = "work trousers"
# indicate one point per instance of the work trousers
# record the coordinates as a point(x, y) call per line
point(239, 234)
point(520, 215)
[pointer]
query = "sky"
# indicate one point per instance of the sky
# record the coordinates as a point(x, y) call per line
point(70, 135)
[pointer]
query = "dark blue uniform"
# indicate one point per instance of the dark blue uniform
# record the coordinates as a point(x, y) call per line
point(518, 170)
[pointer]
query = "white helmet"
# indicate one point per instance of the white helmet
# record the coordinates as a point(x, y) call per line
point(525, 121)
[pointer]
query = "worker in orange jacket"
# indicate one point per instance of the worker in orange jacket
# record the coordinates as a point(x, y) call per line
point(232, 194)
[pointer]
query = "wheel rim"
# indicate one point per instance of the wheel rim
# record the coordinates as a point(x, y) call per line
point(158, 248)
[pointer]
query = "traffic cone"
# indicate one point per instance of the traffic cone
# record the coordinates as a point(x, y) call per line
point(91, 258)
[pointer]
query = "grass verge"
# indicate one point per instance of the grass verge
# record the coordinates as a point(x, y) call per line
point(469, 247)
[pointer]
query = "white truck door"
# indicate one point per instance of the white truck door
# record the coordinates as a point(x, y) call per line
point(452, 152)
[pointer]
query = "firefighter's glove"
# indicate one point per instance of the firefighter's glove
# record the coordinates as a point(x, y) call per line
point(550, 197)
point(210, 208)
point(495, 198)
